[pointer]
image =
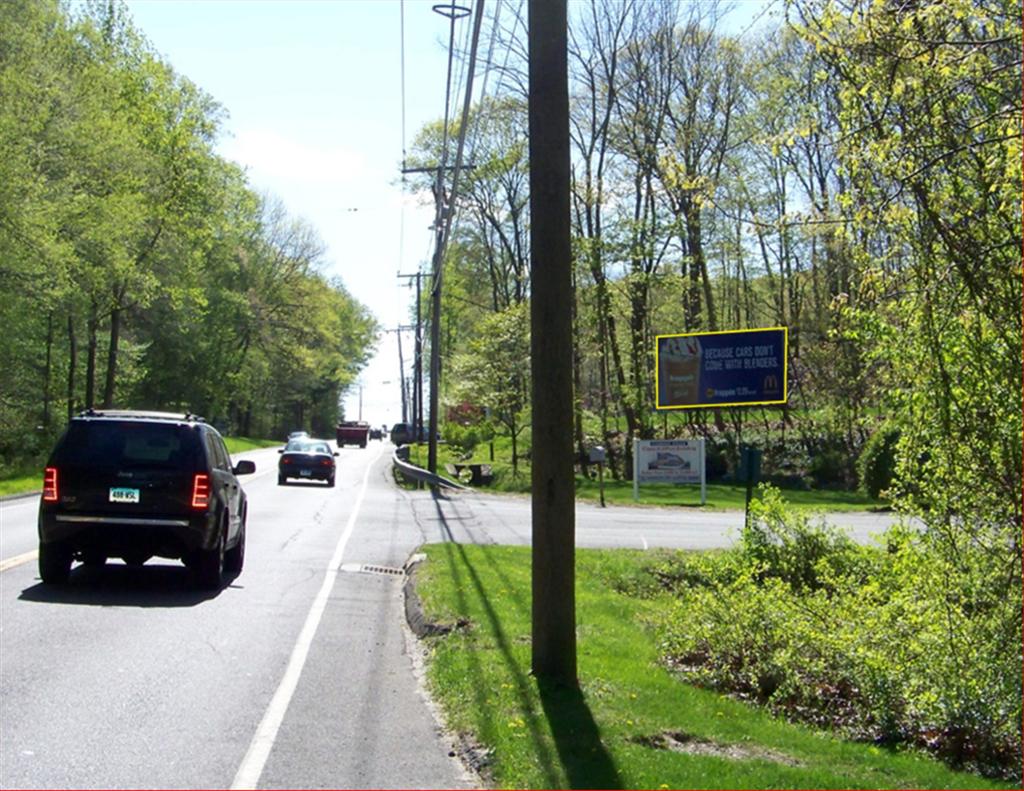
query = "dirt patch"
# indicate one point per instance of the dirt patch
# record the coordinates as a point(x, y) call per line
point(474, 757)
point(679, 742)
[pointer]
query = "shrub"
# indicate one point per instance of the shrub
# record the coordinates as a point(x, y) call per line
point(780, 544)
point(830, 468)
point(896, 644)
point(877, 463)
point(463, 439)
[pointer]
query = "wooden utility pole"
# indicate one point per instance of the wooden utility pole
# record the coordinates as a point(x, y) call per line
point(554, 592)
point(416, 416)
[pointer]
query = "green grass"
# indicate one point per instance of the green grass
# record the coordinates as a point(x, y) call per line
point(24, 484)
point(603, 735)
point(242, 444)
point(720, 496)
point(21, 484)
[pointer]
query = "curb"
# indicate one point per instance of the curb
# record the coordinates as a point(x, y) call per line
point(414, 616)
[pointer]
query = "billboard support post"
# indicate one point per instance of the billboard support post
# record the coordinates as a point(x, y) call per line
point(636, 470)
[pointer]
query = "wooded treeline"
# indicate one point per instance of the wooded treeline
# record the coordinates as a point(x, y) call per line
point(852, 174)
point(137, 267)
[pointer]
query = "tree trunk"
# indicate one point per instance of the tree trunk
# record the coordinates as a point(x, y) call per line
point(115, 338)
point(90, 361)
point(577, 379)
point(72, 364)
point(47, 370)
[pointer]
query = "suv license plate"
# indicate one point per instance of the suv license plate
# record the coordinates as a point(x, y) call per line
point(120, 495)
point(305, 473)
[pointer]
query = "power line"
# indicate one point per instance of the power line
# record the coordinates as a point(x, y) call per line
point(767, 7)
point(460, 53)
point(401, 27)
point(508, 50)
point(487, 74)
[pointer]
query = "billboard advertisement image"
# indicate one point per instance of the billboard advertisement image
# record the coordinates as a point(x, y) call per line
point(713, 369)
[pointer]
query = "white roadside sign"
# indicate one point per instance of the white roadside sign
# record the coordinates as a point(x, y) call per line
point(669, 461)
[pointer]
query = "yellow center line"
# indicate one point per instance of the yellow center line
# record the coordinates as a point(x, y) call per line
point(17, 560)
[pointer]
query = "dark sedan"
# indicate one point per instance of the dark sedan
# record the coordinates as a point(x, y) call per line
point(306, 459)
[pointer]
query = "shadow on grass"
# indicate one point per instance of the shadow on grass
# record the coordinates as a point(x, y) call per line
point(584, 760)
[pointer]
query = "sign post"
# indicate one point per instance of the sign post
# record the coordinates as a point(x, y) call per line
point(636, 470)
point(750, 469)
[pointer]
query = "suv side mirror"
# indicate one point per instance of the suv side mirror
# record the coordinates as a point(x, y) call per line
point(245, 467)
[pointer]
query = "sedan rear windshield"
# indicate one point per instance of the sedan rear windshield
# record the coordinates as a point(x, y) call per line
point(129, 444)
point(306, 446)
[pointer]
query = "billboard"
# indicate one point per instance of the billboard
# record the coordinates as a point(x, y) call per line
point(730, 368)
point(668, 461)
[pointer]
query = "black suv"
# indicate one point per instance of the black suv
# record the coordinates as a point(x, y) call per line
point(137, 484)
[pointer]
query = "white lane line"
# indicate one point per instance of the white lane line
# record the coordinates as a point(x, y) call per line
point(17, 502)
point(249, 772)
point(645, 542)
point(17, 560)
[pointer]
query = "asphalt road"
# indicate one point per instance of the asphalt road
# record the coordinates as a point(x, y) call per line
point(300, 674)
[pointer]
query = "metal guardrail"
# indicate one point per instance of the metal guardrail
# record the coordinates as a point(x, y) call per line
point(412, 472)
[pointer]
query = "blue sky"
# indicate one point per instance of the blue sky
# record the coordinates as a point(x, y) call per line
point(312, 91)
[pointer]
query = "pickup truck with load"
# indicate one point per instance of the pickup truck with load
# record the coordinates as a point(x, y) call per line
point(353, 432)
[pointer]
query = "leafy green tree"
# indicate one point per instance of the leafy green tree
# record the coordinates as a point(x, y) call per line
point(931, 119)
point(140, 268)
point(493, 372)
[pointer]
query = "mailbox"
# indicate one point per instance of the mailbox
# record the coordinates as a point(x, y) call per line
point(597, 455)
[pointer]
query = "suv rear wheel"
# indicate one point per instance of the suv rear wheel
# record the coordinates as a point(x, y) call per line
point(234, 558)
point(210, 565)
point(54, 563)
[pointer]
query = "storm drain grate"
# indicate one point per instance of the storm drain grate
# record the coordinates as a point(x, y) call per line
point(360, 568)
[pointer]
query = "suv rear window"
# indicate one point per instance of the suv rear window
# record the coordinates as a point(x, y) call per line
point(129, 444)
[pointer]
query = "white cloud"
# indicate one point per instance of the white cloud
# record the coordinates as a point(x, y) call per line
point(273, 159)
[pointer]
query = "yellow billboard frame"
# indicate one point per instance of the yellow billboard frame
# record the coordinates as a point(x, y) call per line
point(785, 369)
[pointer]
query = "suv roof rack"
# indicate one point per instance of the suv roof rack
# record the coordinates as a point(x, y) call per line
point(141, 414)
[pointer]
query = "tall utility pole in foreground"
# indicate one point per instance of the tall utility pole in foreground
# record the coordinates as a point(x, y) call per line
point(554, 517)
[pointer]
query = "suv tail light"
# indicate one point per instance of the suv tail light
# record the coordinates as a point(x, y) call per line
point(50, 494)
point(201, 491)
